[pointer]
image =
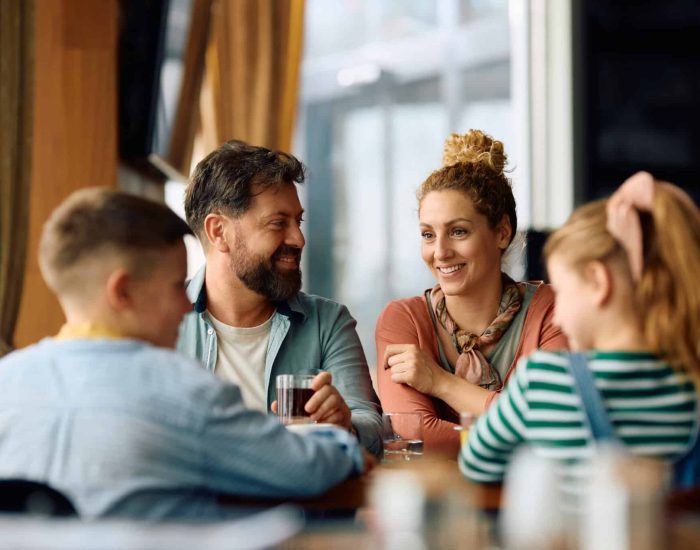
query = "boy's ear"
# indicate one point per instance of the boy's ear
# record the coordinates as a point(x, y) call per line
point(503, 232)
point(118, 289)
point(600, 278)
point(215, 231)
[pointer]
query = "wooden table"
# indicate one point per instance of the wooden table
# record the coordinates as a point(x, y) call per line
point(683, 519)
point(353, 494)
point(347, 496)
point(343, 517)
point(350, 501)
point(469, 525)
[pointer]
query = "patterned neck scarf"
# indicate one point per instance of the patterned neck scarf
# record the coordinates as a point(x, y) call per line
point(471, 363)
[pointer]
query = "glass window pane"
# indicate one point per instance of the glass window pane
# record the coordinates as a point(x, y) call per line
point(383, 84)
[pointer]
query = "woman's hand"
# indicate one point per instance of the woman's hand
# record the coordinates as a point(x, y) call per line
point(411, 366)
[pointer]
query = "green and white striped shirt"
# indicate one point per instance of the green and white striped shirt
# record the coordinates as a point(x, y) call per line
point(653, 409)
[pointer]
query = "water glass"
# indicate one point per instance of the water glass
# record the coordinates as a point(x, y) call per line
point(403, 436)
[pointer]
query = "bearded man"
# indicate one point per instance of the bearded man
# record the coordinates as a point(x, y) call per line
point(251, 321)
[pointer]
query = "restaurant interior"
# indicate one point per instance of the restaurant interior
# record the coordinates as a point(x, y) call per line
point(132, 94)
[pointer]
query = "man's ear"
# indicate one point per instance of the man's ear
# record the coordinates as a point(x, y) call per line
point(598, 275)
point(503, 232)
point(118, 288)
point(215, 231)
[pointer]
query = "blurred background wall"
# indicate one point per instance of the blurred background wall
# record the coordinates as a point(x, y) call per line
point(582, 93)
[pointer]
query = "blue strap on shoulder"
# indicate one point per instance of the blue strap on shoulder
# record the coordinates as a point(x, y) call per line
point(686, 470)
point(591, 399)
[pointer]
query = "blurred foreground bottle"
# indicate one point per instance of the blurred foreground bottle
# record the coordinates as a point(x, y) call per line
point(621, 504)
point(532, 516)
point(426, 505)
point(398, 500)
point(623, 509)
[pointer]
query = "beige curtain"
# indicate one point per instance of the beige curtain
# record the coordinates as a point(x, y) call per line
point(251, 76)
point(16, 100)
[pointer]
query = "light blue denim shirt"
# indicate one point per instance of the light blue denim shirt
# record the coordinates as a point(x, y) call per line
point(308, 332)
point(130, 430)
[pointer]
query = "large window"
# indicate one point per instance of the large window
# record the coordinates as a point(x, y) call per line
point(383, 83)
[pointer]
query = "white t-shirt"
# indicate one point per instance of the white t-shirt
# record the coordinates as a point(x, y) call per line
point(241, 359)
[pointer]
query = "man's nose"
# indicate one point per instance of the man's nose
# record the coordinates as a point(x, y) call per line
point(295, 237)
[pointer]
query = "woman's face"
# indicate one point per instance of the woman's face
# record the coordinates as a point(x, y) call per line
point(458, 245)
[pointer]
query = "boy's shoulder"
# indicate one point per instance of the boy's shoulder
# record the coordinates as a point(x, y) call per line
point(131, 363)
point(127, 352)
point(23, 355)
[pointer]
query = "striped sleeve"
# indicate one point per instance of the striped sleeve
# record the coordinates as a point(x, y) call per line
point(653, 409)
point(485, 454)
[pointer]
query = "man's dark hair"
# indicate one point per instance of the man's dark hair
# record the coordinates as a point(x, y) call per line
point(99, 220)
point(223, 181)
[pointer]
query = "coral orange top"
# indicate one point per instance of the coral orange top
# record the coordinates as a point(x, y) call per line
point(408, 321)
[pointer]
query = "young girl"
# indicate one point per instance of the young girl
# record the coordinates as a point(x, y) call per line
point(625, 273)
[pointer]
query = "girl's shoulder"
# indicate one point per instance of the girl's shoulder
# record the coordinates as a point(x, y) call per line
point(548, 360)
point(642, 357)
point(639, 361)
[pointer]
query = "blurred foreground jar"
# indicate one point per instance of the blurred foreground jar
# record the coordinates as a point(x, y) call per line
point(398, 500)
point(426, 504)
point(624, 506)
point(532, 516)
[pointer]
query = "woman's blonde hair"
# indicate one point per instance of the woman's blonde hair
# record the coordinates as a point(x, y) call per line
point(474, 163)
point(667, 294)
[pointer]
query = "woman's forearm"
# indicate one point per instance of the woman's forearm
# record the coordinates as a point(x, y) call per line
point(461, 395)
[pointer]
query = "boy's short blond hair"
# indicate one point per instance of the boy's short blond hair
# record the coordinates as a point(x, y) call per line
point(96, 224)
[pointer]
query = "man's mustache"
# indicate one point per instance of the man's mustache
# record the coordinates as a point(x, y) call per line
point(285, 250)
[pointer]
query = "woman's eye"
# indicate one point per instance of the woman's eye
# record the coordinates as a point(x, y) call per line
point(427, 235)
point(459, 232)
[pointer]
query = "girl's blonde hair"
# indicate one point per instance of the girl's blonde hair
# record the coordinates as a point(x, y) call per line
point(668, 292)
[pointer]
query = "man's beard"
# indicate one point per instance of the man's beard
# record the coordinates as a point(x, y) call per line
point(260, 275)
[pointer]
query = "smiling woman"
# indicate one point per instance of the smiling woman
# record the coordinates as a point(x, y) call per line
point(453, 348)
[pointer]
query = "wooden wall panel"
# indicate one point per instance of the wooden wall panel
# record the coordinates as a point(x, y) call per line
point(75, 130)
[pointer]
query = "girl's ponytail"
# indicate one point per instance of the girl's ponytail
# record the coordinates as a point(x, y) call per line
point(652, 229)
point(668, 291)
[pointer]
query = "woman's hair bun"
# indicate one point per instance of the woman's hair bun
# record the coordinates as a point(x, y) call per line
point(474, 147)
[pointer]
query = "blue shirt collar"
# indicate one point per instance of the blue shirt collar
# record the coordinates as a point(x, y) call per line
point(197, 293)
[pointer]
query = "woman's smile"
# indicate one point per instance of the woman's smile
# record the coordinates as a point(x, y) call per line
point(449, 270)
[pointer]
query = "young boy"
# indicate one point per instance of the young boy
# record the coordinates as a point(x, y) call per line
point(105, 414)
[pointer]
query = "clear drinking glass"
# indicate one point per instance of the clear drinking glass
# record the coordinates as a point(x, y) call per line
point(293, 392)
point(403, 436)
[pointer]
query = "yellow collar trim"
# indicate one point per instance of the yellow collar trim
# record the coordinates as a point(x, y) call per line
point(90, 331)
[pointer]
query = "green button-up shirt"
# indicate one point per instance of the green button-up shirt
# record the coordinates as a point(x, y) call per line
point(308, 332)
